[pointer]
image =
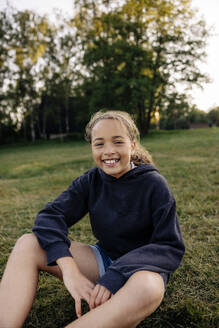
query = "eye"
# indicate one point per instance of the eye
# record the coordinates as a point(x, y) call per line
point(98, 144)
point(118, 142)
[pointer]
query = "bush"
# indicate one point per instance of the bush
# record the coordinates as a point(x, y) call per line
point(169, 124)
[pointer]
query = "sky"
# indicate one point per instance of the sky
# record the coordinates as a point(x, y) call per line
point(206, 98)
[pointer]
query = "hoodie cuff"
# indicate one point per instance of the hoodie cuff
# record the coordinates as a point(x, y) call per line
point(56, 251)
point(112, 280)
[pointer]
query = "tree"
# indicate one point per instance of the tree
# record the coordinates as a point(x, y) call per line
point(6, 123)
point(39, 70)
point(213, 116)
point(29, 45)
point(60, 75)
point(137, 52)
point(175, 112)
point(24, 44)
point(197, 115)
point(126, 55)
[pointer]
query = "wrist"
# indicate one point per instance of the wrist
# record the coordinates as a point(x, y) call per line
point(67, 264)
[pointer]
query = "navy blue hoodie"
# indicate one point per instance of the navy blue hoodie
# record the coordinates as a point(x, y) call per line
point(133, 218)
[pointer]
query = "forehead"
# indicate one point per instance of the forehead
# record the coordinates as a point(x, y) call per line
point(109, 127)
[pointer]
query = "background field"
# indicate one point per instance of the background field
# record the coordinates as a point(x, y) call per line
point(30, 176)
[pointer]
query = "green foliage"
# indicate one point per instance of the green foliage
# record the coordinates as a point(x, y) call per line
point(25, 45)
point(42, 66)
point(213, 116)
point(30, 176)
point(126, 55)
point(176, 113)
point(136, 52)
point(197, 116)
point(7, 127)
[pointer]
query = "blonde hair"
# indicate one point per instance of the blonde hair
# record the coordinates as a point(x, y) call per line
point(140, 154)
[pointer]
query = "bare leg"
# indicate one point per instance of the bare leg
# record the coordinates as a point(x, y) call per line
point(136, 300)
point(139, 297)
point(20, 279)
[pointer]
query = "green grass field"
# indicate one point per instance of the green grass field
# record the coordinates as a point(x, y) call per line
point(30, 176)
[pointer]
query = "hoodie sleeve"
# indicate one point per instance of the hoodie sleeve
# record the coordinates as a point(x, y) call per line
point(52, 223)
point(164, 251)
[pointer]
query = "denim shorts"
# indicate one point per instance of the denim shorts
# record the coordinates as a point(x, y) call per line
point(104, 262)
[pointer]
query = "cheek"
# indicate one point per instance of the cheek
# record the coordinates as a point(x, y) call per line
point(126, 155)
point(95, 155)
point(131, 150)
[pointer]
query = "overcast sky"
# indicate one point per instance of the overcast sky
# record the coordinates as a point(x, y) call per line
point(209, 9)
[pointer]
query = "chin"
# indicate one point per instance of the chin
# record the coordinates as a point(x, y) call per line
point(111, 172)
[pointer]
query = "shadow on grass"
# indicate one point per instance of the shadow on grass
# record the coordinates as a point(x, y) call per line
point(57, 314)
point(188, 314)
point(60, 312)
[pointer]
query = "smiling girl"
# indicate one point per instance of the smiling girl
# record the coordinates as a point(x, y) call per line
point(133, 217)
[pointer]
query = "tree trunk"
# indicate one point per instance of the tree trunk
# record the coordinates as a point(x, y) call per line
point(44, 125)
point(1, 133)
point(25, 128)
point(152, 93)
point(60, 125)
point(150, 110)
point(141, 118)
point(33, 134)
point(67, 129)
point(38, 127)
point(42, 119)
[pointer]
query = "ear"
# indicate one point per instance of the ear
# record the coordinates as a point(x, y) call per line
point(133, 145)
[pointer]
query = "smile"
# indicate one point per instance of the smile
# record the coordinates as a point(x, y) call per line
point(110, 162)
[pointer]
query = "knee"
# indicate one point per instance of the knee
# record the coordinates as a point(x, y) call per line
point(143, 293)
point(26, 242)
point(148, 288)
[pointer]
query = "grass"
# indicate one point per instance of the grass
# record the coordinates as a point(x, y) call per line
point(30, 176)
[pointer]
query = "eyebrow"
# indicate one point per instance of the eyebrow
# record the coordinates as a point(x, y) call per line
point(114, 137)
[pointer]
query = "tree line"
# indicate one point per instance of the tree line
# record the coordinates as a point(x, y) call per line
point(129, 55)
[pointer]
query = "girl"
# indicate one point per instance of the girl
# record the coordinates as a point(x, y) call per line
point(133, 216)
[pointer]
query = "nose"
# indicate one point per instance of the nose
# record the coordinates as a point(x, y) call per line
point(108, 149)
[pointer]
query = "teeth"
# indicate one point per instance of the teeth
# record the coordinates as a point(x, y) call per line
point(110, 161)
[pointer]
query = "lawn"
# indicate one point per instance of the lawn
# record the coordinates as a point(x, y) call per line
point(30, 176)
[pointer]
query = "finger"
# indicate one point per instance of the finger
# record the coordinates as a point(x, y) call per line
point(99, 296)
point(87, 297)
point(78, 307)
point(93, 297)
point(106, 296)
point(87, 292)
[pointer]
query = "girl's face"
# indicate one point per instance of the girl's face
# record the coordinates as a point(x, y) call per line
point(112, 147)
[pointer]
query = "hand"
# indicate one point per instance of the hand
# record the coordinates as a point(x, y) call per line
point(76, 283)
point(99, 295)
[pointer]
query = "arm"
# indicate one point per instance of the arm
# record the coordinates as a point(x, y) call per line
point(51, 228)
point(52, 223)
point(76, 283)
